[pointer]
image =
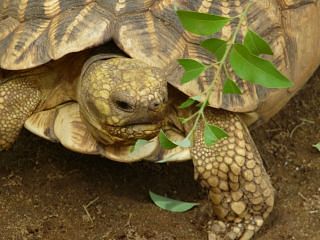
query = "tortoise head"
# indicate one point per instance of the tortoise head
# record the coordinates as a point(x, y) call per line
point(122, 99)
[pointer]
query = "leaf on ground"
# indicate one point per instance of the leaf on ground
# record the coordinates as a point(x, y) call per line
point(170, 204)
point(317, 146)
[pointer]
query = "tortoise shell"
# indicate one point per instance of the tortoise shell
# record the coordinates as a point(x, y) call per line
point(34, 32)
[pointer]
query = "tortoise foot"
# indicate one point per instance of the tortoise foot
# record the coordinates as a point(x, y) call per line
point(18, 99)
point(219, 230)
point(239, 187)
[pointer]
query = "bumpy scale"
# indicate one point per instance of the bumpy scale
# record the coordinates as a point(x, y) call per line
point(232, 169)
point(18, 99)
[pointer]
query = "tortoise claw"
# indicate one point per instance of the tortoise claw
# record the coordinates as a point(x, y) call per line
point(219, 230)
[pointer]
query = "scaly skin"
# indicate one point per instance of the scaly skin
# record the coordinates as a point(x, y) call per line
point(239, 187)
point(18, 99)
point(122, 99)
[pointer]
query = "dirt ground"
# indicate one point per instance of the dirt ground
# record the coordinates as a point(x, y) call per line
point(48, 192)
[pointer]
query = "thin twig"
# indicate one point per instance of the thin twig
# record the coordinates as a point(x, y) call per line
point(307, 120)
point(273, 130)
point(92, 202)
point(85, 207)
point(313, 211)
point(303, 197)
point(303, 122)
point(88, 214)
point(295, 128)
point(129, 220)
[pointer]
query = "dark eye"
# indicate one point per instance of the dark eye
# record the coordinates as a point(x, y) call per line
point(124, 106)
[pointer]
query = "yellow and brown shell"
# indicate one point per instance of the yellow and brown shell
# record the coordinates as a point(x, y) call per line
point(33, 32)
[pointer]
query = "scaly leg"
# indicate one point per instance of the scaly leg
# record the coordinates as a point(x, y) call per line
point(18, 99)
point(232, 169)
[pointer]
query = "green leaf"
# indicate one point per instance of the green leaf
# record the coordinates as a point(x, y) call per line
point(212, 134)
point(185, 143)
point(230, 87)
point(317, 146)
point(256, 70)
point(192, 68)
point(170, 204)
point(206, 103)
point(189, 102)
point(216, 46)
point(201, 23)
point(182, 120)
point(139, 144)
point(256, 44)
point(165, 142)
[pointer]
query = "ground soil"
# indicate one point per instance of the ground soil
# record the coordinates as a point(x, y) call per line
point(48, 192)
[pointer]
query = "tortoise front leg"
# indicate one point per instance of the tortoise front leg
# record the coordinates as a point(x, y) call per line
point(18, 99)
point(232, 169)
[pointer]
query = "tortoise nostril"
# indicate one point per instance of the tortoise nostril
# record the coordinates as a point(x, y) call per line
point(124, 106)
point(155, 105)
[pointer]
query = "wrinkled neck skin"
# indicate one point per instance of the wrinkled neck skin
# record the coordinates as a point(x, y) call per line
point(56, 80)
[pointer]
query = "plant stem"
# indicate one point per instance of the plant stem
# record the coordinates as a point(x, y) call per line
point(220, 66)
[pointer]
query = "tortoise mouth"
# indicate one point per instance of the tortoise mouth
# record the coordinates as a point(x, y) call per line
point(130, 133)
point(127, 134)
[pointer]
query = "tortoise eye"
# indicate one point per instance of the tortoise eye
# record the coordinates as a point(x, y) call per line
point(124, 106)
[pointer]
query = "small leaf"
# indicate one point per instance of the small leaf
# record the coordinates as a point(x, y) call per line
point(139, 144)
point(165, 161)
point(165, 142)
point(185, 143)
point(230, 87)
point(170, 204)
point(201, 23)
point(192, 68)
point(203, 103)
point(216, 46)
point(212, 134)
point(189, 102)
point(196, 98)
point(317, 146)
point(186, 103)
point(256, 70)
point(256, 44)
point(182, 120)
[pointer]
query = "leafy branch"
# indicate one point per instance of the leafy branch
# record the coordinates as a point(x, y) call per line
point(243, 58)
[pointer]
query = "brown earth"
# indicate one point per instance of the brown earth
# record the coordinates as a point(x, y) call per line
point(48, 192)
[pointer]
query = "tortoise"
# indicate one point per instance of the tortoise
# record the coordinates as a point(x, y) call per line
point(99, 101)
